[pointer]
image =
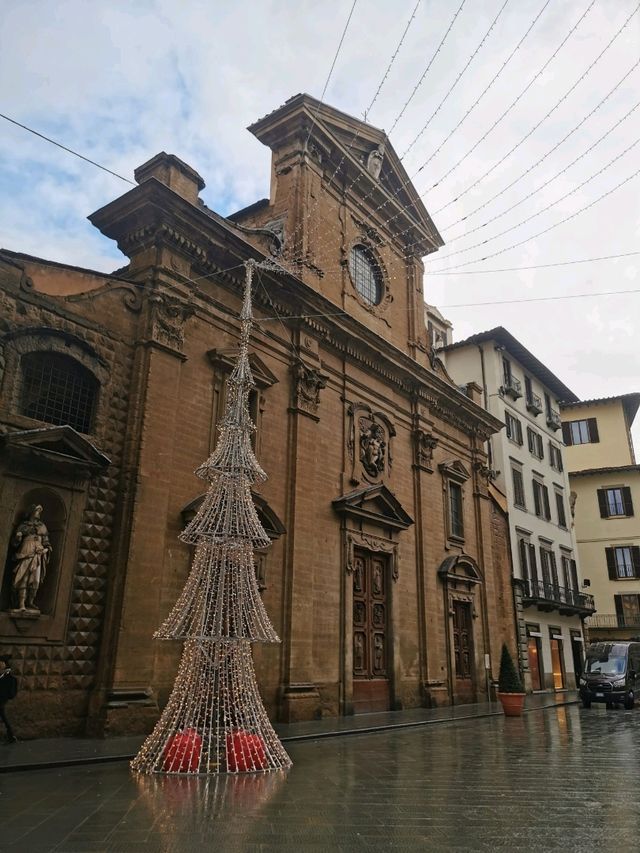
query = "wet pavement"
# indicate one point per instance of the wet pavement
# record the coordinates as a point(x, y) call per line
point(62, 752)
point(558, 779)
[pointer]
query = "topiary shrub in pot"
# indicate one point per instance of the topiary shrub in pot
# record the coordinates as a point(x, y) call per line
point(510, 690)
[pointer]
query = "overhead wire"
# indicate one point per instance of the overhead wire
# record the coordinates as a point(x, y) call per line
point(426, 70)
point(536, 126)
point(484, 91)
point(333, 65)
point(550, 227)
point(65, 148)
point(546, 183)
point(542, 210)
point(461, 73)
point(536, 266)
point(293, 238)
point(540, 299)
point(409, 180)
point(392, 60)
point(547, 153)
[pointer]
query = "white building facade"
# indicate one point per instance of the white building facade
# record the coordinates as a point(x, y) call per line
point(527, 459)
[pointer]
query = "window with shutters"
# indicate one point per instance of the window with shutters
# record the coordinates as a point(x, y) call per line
point(623, 562)
point(570, 573)
point(541, 504)
point(518, 488)
point(555, 457)
point(529, 568)
point(628, 610)
point(549, 570)
point(615, 501)
point(562, 516)
point(534, 441)
point(580, 432)
point(514, 428)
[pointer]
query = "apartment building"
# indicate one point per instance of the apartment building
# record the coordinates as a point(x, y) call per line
point(605, 483)
point(528, 465)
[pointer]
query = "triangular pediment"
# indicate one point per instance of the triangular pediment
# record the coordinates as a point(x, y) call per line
point(376, 504)
point(455, 469)
point(225, 360)
point(59, 444)
point(343, 145)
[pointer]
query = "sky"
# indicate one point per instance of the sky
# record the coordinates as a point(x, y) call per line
point(479, 91)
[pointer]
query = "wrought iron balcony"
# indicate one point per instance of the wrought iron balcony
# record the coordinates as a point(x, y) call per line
point(553, 419)
point(512, 387)
point(614, 621)
point(548, 596)
point(534, 404)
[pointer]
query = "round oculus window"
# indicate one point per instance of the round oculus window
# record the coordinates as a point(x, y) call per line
point(366, 275)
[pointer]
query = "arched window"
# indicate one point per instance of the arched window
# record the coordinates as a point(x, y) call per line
point(58, 390)
point(366, 274)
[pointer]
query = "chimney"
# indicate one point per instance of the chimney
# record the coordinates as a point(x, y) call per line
point(474, 392)
point(175, 173)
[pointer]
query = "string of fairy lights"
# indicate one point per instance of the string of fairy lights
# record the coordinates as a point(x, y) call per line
point(384, 224)
point(214, 721)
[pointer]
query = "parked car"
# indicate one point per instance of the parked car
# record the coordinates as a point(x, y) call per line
point(611, 674)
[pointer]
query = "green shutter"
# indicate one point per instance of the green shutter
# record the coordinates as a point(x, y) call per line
point(626, 500)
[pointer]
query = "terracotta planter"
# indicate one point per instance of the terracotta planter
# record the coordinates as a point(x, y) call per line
point(512, 703)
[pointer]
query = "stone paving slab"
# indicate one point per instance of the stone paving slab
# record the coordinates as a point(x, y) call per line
point(564, 779)
point(62, 752)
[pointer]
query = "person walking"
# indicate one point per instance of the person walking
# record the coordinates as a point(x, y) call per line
point(8, 691)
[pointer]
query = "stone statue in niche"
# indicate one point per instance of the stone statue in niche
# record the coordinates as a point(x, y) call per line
point(374, 161)
point(373, 447)
point(31, 555)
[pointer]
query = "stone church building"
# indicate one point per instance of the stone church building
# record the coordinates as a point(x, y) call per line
point(388, 577)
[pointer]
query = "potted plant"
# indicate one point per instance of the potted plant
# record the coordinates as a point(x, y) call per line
point(510, 690)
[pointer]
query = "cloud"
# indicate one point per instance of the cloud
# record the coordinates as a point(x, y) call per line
point(120, 81)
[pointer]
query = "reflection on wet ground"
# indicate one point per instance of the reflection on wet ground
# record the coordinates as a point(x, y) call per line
point(564, 779)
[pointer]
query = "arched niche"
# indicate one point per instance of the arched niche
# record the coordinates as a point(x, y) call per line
point(54, 517)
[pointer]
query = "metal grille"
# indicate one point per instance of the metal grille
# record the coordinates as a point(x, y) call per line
point(57, 390)
point(366, 275)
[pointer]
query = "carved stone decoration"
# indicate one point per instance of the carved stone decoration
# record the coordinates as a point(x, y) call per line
point(168, 316)
point(488, 474)
point(31, 554)
point(369, 444)
point(307, 384)
point(373, 447)
point(374, 161)
point(372, 543)
point(425, 444)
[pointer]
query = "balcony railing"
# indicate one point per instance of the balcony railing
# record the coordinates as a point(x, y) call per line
point(613, 620)
point(548, 596)
point(512, 387)
point(534, 404)
point(553, 419)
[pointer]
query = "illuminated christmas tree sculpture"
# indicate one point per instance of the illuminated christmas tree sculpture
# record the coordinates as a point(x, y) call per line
point(214, 721)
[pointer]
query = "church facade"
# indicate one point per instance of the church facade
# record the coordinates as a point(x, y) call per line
point(388, 577)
